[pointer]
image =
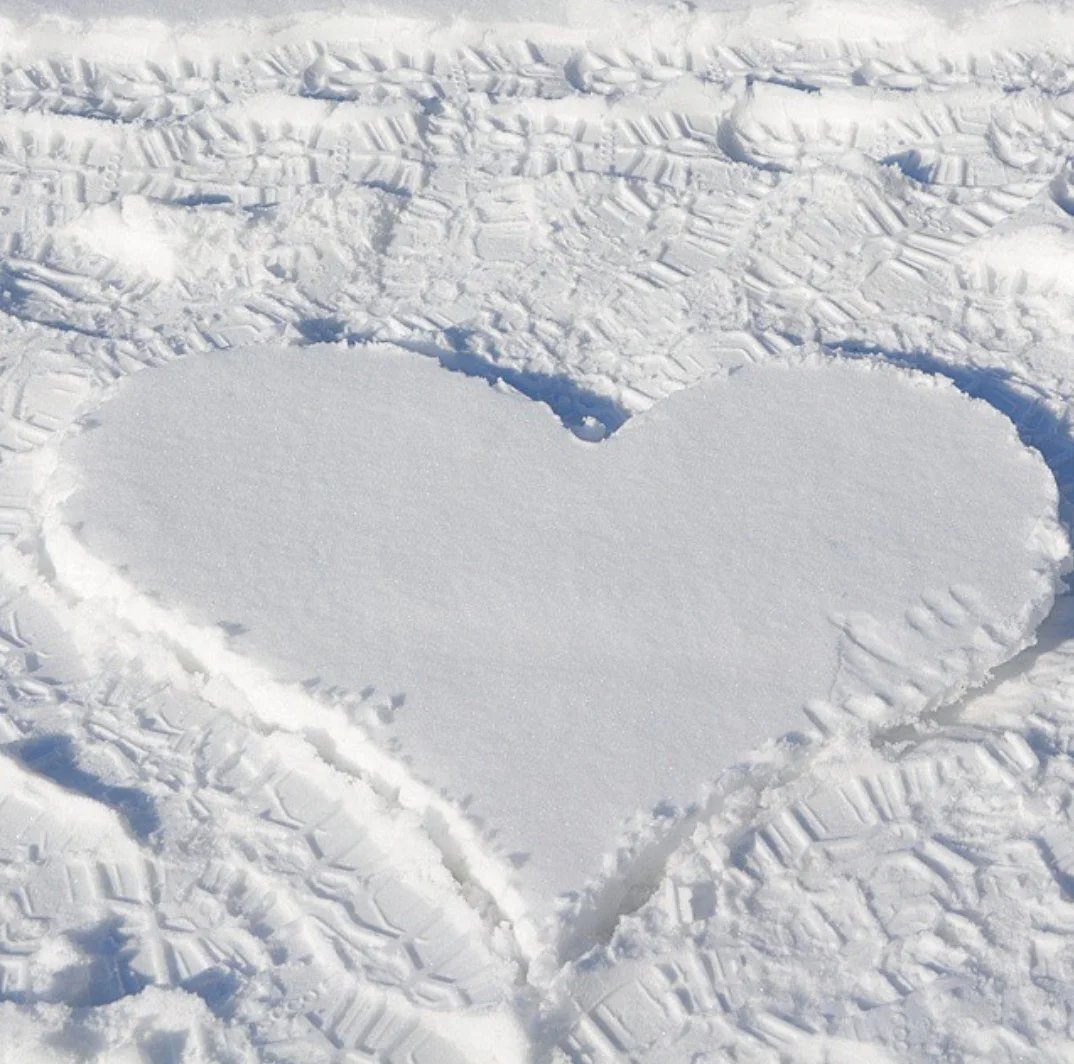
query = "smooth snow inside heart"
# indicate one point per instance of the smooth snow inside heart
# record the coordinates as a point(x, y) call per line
point(566, 633)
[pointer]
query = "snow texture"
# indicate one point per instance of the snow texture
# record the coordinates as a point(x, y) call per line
point(225, 838)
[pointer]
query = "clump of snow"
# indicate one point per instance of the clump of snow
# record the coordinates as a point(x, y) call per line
point(153, 1026)
point(1034, 259)
point(131, 234)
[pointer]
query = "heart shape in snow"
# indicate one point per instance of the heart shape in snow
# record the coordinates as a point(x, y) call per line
point(575, 631)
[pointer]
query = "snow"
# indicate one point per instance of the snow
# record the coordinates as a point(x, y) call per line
point(128, 234)
point(561, 634)
point(693, 692)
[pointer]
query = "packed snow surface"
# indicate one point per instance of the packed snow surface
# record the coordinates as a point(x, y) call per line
point(569, 632)
point(694, 692)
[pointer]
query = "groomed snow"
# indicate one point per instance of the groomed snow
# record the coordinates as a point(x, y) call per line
point(558, 634)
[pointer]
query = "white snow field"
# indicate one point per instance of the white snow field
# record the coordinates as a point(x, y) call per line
point(536, 532)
